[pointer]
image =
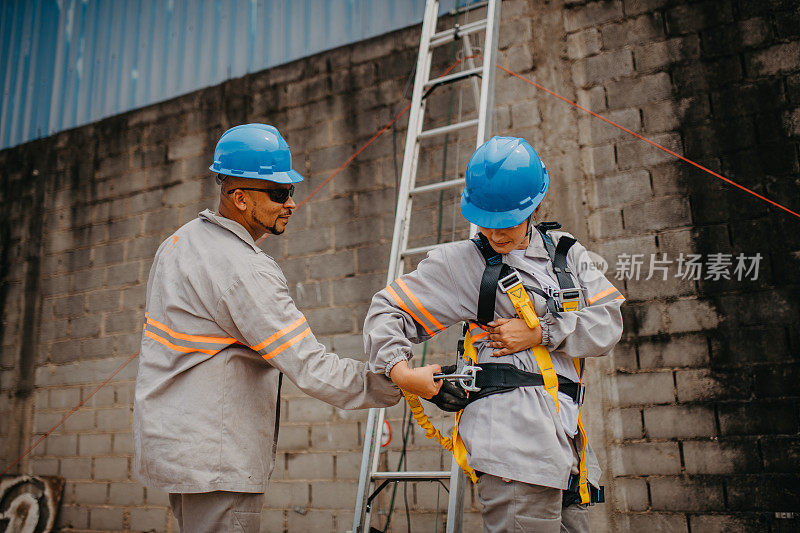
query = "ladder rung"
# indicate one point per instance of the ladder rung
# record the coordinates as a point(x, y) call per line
point(454, 77)
point(438, 186)
point(420, 250)
point(444, 37)
point(447, 129)
point(412, 476)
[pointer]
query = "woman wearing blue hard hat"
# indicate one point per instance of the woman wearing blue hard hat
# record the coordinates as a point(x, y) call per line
point(533, 316)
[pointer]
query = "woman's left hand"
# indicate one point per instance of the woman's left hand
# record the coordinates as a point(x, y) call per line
point(512, 335)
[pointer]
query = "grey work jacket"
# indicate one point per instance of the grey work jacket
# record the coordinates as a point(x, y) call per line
point(219, 329)
point(519, 434)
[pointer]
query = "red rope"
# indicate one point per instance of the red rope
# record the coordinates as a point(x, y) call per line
point(648, 141)
point(35, 444)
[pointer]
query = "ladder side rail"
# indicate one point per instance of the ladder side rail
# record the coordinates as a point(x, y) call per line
point(364, 475)
point(411, 149)
point(455, 503)
point(486, 108)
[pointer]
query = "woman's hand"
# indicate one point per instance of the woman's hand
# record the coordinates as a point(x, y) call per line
point(417, 381)
point(512, 335)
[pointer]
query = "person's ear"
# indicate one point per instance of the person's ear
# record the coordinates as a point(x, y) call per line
point(238, 199)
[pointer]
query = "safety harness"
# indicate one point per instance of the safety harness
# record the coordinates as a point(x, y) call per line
point(485, 379)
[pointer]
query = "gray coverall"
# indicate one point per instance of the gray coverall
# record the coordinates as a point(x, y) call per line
point(220, 328)
point(516, 435)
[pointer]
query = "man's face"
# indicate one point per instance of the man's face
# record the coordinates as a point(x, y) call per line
point(266, 214)
point(504, 240)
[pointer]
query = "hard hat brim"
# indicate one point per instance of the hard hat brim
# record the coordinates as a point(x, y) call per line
point(497, 219)
point(292, 176)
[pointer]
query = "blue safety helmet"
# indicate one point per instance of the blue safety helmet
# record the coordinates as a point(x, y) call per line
point(255, 151)
point(506, 182)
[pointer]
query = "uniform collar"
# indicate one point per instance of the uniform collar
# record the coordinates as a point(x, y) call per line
point(536, 246)
point(230, 225)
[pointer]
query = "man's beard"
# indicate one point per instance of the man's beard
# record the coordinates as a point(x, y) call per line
point(271, 229)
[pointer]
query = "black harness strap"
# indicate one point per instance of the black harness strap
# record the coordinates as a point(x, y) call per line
point(558, 253)
point(495, 269)
point(494, 378)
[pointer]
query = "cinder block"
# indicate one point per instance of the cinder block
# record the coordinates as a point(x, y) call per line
point(146, 519)
point(127, 494)
point(721, 457)
point(61, 445)
point(125, 321)
point(727, 523)
point(693, 18)
point(106, 518)
point(644, 388)
point(182, 194)
point(674, 421)
point(108, 254)
point(619, 189)
point(591, 14)
point(82, 420)
point(156, 497)
point(362, 231)
point(114, 419)
point(87, 279)
point(103, 300)
point(681, 494)
point(671, 522)
point(691, 315)
point(308, 410)
point(123, 443)
point(112, 468)
point(644, 28)
point(94, 444)
point(757, 418)
point(72, 517)
point(583, 43)
point(597, 69)
point(309, 466)
point(84, 326)
point(599, 160)
point(69, 306)
point(357, 289)
point(65, 398)
point(310, 520)
point(287, 494)
point(347, 465)
point(646, 458)
point(97, 348)
point(631, 494)
point(90, 492)
point(687, 351)
point(293, 437)
point(335, 436)
point(328, 494)
point(184, 147)
point(627, 424)
point(659, 54)
point(76, 468)
point(330, 321)
point(632, 92)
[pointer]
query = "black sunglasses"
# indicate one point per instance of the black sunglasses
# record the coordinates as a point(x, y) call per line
point(276, 195)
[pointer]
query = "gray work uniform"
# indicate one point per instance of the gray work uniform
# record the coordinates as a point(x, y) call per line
point(220, 328)
point(519, 434)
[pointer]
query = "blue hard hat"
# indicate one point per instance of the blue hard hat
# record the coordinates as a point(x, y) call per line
point(506, 181)
point(254, 151)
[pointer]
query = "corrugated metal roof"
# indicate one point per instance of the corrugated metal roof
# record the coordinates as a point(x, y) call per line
point(64, 63)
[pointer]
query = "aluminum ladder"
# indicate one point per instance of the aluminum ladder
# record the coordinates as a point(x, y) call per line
point(371, 481)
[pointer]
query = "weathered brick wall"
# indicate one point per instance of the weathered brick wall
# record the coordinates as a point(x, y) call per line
point(694, 427)
point(701, 399)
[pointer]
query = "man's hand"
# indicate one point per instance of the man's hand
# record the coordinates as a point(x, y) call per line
point(512, 335)
point(417, 381)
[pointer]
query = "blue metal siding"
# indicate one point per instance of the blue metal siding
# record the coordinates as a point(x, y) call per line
point(64, 63)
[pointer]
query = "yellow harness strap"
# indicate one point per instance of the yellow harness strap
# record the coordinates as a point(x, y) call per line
point(583, 482)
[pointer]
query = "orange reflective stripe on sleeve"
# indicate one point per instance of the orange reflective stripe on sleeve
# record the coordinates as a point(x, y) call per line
point(185, 337)
point(405, 308)
point(477, 332)
point(177, 348)
point(275, 336)
point(438, 325)
point(606, 296)
point(291, 342)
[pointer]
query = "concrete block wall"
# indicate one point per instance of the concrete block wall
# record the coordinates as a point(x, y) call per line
point(699, 403)
point(685, 418)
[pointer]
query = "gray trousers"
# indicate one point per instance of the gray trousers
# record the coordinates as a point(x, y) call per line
point(516, 506)
point(220, 511)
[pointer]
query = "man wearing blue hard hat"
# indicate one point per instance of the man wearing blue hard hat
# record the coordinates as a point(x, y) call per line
point(534, 312)
point(220, 332)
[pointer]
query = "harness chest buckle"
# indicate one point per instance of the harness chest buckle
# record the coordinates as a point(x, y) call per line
point(569, 299)
point(508, 282)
